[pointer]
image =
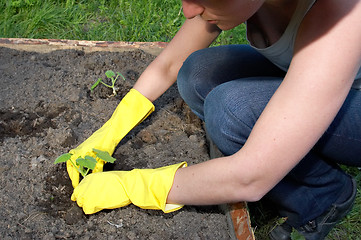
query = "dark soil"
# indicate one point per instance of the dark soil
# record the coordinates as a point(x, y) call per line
point(47, 109)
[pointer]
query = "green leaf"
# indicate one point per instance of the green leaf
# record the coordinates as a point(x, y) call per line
point(109, 74)
point(104, 155)
point(63, 158)
point(281, 220)
point(88, 162)
point(121, 75)
point(295, 235)
point(95, 84)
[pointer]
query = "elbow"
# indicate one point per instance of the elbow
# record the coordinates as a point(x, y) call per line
point(251, 183)
point(251, 189)
point(250, 193)
point(257, 193)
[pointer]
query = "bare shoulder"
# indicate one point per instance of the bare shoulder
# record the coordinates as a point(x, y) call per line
point(334, 9)
point(328, 43)
point(327, 16)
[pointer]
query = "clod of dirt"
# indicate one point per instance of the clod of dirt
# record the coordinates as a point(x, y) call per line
point(74, 215)
point(20, 123)
point(64, 137)
point(147, 137)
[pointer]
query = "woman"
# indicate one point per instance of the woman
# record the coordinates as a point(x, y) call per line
point(284, 112)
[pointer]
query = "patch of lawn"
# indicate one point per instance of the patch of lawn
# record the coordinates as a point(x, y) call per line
point(112, 20)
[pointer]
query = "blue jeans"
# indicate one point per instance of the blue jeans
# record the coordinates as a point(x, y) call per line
point(229, 86)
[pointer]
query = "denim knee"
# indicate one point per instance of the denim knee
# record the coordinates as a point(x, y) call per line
point(189, 81)
point(232, 108)
point(208, 68)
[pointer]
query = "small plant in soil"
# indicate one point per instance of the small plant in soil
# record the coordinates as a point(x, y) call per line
point(84, 165)
point(113, 77)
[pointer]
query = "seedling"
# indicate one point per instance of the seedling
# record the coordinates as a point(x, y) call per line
point(84, 165)
point(113, 77)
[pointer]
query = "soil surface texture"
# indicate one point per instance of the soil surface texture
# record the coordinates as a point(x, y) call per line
point(47, 109)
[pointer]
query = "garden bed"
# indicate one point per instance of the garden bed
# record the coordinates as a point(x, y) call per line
point(47, 109)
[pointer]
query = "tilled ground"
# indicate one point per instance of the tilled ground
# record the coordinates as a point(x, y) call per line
point(47, 109)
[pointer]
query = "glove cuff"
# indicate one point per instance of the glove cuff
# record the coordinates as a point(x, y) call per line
point(171, 207)
point(149, 188)
point(143, 105)
point(131, 111)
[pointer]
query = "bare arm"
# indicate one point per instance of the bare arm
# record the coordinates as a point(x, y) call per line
point(327, 57)
point(195, 34)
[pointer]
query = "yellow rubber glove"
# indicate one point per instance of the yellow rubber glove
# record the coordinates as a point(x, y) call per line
point(145, 188)
point(132, 110)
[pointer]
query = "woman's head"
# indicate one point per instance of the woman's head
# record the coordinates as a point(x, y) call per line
point(226, 14)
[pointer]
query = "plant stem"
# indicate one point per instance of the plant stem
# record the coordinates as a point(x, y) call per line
point(78, 169)
point(106, 84)
point(86, 173)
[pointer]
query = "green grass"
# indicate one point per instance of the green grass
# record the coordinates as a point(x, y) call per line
point(112, 20)
point(130, 20)
point(350, 227)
